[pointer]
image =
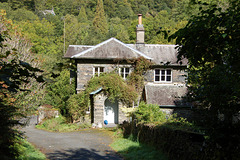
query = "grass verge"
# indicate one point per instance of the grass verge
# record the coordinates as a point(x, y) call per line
point(28, 151)
point(132, 150)
point(60, 124)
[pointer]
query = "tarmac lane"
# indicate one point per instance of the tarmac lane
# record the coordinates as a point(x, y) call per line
point(90, 144)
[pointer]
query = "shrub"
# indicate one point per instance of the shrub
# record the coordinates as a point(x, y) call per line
point(150, 113)
point(77, 105)
point(27, 151)
point(59, 92)
point(60, 124)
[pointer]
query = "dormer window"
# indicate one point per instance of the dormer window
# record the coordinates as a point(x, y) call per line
point(163, 75)
point(124, 72)
point(97, 71)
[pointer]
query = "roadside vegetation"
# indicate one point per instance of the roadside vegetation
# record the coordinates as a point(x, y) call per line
point(60, 124)
point(28, 151)
point(133, 150)
point(129, 141)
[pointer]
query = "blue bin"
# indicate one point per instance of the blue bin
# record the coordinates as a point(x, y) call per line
point(106, 122)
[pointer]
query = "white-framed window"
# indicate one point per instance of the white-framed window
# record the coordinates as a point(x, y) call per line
point(97, 71)
point(124, 72)
point(163, 75)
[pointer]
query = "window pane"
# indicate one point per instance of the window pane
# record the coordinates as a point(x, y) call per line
point(157, 71)
point(157, 78)
point(163, 72)
point(168, 78)
point(126, 75)
point(168, 72)
point(127, 70)
point(96, 69)
point(162, 78)
point(101, 69)
point(122, 70)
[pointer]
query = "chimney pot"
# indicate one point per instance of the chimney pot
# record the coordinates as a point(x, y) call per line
point(140, 19)
point(140, 31)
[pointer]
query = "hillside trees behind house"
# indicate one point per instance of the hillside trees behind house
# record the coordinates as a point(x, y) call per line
point(78, 22)
point(86, 22)
point(214, 74)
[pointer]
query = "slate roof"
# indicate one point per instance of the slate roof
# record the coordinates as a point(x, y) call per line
point(165, 94)
point(75, 49)
point(160, 54)
point(110, 49)
point(115, 49)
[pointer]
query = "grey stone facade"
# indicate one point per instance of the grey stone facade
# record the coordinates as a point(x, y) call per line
point(112, 55)
point(85, 71)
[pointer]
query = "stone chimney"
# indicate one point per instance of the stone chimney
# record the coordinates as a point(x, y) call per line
point(140, 31)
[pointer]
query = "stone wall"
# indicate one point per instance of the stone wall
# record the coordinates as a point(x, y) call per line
point(45, 112)
point(85, 71)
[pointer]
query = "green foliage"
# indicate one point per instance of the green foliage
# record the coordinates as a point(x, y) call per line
point(148, 113)
point(60, 124)
point(210, 42)
point(175, 143)
point(13, 74)
point(22, 14)
point(135, 150)
point(28, 151)
point(114, 87)
point(82, 16)
point(59, 92)
point(152, 114)
point(100, 21)
point(77, 105)
point(136, 79)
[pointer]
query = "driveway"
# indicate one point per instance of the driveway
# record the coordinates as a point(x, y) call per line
point(90, 144)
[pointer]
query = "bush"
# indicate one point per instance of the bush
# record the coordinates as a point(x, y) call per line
point(28, 151)
point(60, 124)
point(77, 105)
point(59, 92)
point(150, 113)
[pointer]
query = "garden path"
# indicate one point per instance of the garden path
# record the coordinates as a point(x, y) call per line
point(90, 144)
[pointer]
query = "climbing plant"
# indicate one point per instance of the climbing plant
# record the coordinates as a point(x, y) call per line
point(136, 78)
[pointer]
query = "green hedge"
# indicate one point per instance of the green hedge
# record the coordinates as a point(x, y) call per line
point(177, 144)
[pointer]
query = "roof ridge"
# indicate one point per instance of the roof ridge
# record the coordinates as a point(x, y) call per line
point(80, 45)
point(90, 49)
point(105, 42)
point(154, 44)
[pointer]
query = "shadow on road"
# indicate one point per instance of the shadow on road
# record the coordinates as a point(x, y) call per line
point(81, 154)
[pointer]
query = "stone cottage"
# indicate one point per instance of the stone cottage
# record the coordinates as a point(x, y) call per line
point(164, 84)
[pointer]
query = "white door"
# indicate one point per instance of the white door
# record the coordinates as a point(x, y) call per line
point(111, 111)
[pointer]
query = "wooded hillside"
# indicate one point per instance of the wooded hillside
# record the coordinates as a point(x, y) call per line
point(47, 27)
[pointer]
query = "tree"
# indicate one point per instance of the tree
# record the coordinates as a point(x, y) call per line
point(100, 20)
point(13, 73)
point(22, 14)
point(118, 30)
point(82, 16)
point(58, 93)
point(124, 9)
point(210, 42)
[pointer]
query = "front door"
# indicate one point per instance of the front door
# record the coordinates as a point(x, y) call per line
point(111, 111)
